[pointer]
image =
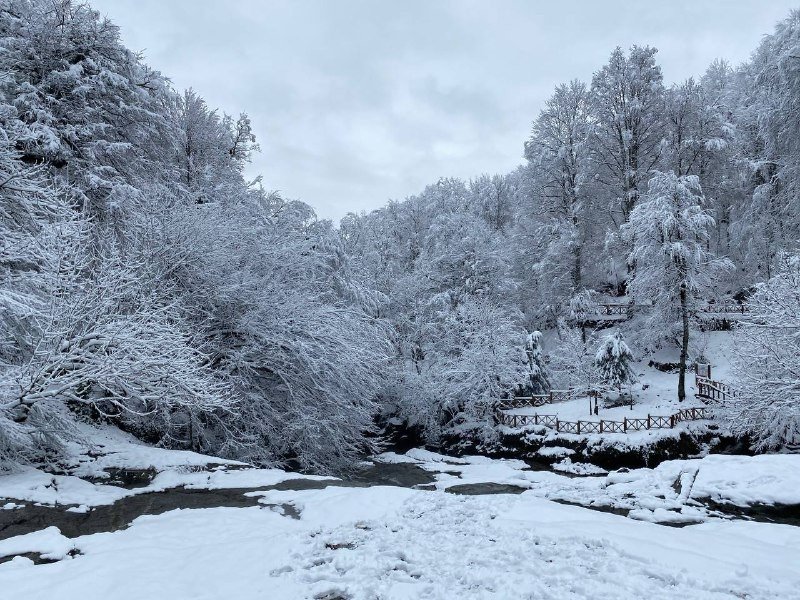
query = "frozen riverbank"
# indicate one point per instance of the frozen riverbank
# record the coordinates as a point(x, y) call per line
point(399, 528)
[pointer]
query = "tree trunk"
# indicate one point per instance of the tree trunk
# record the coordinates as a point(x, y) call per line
point(684, 346)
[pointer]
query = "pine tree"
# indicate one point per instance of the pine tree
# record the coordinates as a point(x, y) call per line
point(538, 374)
point(613, 362)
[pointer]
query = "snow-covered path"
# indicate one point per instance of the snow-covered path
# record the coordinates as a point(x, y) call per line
point(386, 542)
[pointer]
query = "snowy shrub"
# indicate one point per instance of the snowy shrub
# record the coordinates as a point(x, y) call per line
point(613, 362)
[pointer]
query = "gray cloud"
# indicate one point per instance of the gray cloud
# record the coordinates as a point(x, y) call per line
point(355, 101)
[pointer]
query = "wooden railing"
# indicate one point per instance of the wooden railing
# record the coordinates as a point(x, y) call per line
point(725, 307)
point(603, 425)
point(615, 309)
point(709, 390)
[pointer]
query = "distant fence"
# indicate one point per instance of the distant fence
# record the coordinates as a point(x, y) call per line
point(604, 426)
point(613, 311)
point(708, 391)
point(726, 307)
point(536, 400)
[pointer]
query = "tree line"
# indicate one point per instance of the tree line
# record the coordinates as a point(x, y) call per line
point(147, 284)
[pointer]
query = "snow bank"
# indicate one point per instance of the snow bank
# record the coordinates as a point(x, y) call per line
point(33, 485)
point(109, 448)
point(49, 543)
point(747, 480)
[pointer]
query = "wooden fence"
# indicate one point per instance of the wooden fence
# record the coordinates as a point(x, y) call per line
point(604, 426)
point(537, 400)
point(626, 310)
point(725, 307)
point(615, 309)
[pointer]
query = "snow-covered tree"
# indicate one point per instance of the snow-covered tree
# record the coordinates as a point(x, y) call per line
point(668, 232)
point(305, 362)
point(628, 107)
point(492, 195)
point(211, 150)
point(613, 362)
point(538, 379)
point(766, 406)
point(558, 152)
point(571, 361)
point(475, 361)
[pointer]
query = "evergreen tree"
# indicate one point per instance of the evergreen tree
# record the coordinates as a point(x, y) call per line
point(613, 362)
point(538, 374)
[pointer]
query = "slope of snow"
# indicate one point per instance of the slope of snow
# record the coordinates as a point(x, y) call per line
point(106, 447)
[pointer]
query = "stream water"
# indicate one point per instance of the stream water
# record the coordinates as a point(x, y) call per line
point(120, 514)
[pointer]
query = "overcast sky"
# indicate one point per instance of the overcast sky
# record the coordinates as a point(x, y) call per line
point(357, 102)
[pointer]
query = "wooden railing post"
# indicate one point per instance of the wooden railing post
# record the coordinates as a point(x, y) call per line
point(579, 427)
point(601, 425)
point(648, 421)
point(625, 424)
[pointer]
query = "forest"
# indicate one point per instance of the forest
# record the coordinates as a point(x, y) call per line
point(147, 283)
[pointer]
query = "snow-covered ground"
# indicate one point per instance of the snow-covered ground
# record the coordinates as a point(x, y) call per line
point(384, 542)
point(391, 542)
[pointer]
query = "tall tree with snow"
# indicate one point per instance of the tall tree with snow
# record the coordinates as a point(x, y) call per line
point(628, 100)
point(669, 232)
point(558, 152)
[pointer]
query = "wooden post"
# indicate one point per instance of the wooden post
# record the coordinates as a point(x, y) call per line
point(579, 427)
point(648, 421)
point(601, 425)
point(671, 421)
point(557, 428)
point(625, 424)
